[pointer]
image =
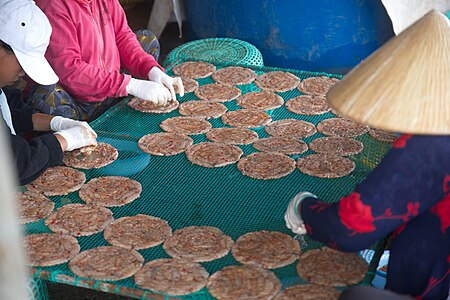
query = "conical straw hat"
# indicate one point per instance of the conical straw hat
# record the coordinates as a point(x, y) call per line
point(404, 86)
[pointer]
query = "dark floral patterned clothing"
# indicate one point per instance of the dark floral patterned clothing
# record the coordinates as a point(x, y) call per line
point(408, 195)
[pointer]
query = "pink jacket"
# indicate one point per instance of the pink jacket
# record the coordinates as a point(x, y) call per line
point(90, 42)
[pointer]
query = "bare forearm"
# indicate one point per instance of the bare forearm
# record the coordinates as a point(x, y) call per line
point(41, 122)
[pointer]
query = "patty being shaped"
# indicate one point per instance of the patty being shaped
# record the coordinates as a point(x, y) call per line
point(194, 69)
point(150, 107)
point(101, 156)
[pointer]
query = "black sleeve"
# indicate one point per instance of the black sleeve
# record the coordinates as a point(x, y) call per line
point(20, 111)
point(34, 157)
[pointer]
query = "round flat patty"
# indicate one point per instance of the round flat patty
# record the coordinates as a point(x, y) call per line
point(106, 263)
point(50, 249)
point(217, 92)
point(102, 155)
point(341, 127)
point(260, 100)
point(189, 85)
point(173, 277)
point(235, 136)
point(266, 165)
point(326, 266)
point(33, 207)
point(325, 165)
point(336, 145)
point(246, 118)
point(243, 282)
point(234, 75)
point(198, 243)
point(308, 105)
point(185, 125)
point(79, 219)
point(150, 107)
point(277, 81)
point(57, 181)
point(137, 232)
point(202, 109)
point(291, 128)
point(194, 69)
point(318, 86)
point(383, 135)
point(164, 143)
point(284, 145)
point(308, 292)
point(110, 191)
point(268, 249)
point(213, 155)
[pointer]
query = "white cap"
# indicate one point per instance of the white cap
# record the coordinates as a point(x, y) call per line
point(25, 28)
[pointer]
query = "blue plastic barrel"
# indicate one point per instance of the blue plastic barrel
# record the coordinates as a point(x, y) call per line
point(325, 35)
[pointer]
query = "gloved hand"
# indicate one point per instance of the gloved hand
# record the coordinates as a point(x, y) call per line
point(77, 137)
point(292, 216)
point(60, 123)
point(159, 76)
point(148, 90)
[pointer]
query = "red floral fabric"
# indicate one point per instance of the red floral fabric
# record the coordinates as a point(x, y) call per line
point(355, 215)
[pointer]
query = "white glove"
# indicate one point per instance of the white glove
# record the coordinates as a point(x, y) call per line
point(292, 216)
point(148, 90)
point(77, 137)
point(159, 76)
point(59, 123)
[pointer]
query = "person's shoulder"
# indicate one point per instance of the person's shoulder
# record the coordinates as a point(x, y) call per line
point(432, 141)
point(53, 5)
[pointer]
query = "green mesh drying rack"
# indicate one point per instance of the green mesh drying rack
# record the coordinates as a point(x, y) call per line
point(216, 50)
point(190, 195)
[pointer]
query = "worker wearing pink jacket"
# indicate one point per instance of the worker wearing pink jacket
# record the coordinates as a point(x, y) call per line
point(90, 44)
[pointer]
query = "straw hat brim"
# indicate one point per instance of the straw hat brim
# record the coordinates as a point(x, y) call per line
point(404, 86)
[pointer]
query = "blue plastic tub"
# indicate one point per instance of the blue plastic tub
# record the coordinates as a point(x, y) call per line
point(328, 35)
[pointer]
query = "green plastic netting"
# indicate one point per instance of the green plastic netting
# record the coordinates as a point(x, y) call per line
point(185, 194)
point(216, 50)
point(37, 289)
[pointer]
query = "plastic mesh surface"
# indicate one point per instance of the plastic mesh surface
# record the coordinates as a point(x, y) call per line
point(185, 194)
point(216, 50)
point(37, 289)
